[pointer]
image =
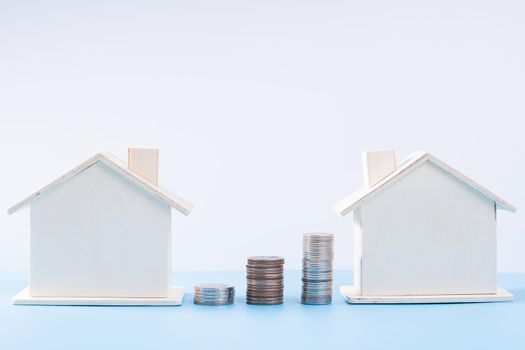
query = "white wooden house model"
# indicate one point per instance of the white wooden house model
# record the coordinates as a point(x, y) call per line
point(423, 233)
point(101, 235)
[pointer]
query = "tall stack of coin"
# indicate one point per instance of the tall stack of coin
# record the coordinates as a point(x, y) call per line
point(214, 294)
point(318, 255)
point(265, 280)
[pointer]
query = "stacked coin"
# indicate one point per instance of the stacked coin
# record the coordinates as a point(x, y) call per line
point(265, 280)
point(318, 254)
point(214, 294)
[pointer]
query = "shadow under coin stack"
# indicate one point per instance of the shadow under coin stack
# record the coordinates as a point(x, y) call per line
point(214, 294)
point(318, 254)
point(265, 280)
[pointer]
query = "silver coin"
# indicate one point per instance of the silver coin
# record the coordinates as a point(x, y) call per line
point(317, 273)
point(265, 299)
point(264, 292)
point(214, 294)
point(263, 276)
point(265, 260)
point(213, 302)
point(204, 296)
point(265, 302)
point(221, 302)
point(315, 291)
point(265, 289)
point(265, 280)
point(210, 291)
point(199, 296)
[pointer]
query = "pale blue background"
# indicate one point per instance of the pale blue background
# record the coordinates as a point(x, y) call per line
point(241, 326)
point(260, 108)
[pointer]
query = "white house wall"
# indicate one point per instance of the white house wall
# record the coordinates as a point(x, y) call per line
point(428, 234)
point(358, 248)
point(99, 234)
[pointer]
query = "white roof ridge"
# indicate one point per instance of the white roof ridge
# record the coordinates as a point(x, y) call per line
point(117, 164)
point(363, 194)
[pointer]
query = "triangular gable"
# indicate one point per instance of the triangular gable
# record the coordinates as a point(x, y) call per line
point(363, 194)
point(116, 164)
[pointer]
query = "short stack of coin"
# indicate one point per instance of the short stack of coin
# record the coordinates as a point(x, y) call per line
point(265, 280)
point(318, 255)
point(214, 294)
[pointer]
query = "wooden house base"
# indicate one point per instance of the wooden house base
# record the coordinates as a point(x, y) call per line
point(175, 297)
point(351, 295)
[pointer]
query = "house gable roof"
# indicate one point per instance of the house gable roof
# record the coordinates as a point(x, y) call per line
point(117, 165)
point(363, 194)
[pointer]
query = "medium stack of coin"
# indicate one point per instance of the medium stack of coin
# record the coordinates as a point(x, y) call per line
point(214, 294)
point(318, 254)
point(265, 280)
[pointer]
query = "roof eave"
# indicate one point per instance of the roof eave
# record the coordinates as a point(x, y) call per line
point(176, 202)
point(348, 204)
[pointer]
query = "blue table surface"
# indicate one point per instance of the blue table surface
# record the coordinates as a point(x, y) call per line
point(241, 326)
